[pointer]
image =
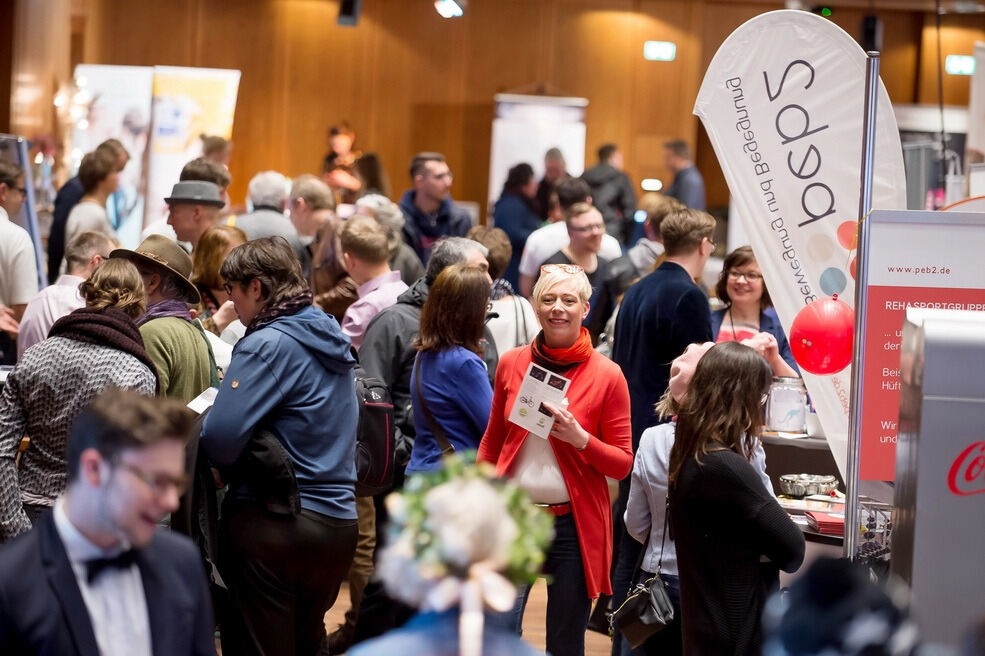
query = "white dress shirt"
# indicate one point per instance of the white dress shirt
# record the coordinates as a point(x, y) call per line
point(50, 305)
point(18, 264)
point(115, 600)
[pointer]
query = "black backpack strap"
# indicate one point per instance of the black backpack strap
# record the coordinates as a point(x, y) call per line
point(436, 430)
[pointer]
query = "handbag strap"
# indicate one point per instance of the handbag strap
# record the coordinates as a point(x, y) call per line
point(436, 430)
point(663, 540)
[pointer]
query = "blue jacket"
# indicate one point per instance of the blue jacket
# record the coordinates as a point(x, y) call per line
point(294, 377)
point(421, 230)
point(457, 391)
point(436, 634)
point(768, 323)
point(516, 218)
point(659, 316)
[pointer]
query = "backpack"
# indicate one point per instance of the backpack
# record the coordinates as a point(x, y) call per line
point(375, 442)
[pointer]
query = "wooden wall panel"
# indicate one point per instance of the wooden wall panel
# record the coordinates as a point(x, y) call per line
point(408, 80)
point(38, 59)
point(720, 20)
point(958, 36)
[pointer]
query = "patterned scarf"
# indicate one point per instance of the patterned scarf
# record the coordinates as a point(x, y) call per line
point(166, 308)
point(560, 360)
point(107, 327)
point(282, 308)
point(500, 289)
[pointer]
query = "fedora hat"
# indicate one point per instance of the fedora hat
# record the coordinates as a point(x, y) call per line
point(198, 192)
point(167, 257)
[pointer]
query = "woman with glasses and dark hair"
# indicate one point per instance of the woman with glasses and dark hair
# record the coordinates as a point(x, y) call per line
point(731, 535)
point(565, 472)
point(449, 385)
point(748, 309)
point(290, 387)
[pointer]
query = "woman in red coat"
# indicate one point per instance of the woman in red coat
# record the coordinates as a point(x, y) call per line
point(566, 473)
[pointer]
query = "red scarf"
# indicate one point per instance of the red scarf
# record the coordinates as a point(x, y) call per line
point(560, 360)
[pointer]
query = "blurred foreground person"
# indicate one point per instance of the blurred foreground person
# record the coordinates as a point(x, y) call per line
point(456, 565)
point(836, 610)
point(97, 575)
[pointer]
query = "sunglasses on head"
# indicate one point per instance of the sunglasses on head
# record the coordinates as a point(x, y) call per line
point(564, 268)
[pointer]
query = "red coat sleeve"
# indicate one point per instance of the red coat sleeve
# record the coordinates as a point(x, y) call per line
point(492, 441)
point(611, 452)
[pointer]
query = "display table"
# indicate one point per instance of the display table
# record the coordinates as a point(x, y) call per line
point(799, 455)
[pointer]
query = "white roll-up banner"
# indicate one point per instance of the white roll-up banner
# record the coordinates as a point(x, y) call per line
point(782, 102)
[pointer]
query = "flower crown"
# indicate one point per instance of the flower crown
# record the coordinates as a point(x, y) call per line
point(461, 523)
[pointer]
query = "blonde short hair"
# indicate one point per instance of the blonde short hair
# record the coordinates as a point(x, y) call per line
point(115, 283)
point(550, 278)
point(365, 238)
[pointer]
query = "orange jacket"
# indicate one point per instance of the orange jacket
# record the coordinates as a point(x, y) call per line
point(599, 399)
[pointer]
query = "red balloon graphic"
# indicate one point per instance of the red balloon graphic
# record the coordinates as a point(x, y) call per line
point(822, 336)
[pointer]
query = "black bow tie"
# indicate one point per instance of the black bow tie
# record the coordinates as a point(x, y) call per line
point(97, 566)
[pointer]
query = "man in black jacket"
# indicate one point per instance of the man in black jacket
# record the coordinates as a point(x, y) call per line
point(612, 193)
point(388, 353)
point(97, 574)
point(428, 208)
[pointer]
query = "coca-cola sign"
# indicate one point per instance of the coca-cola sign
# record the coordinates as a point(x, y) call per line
point(967, 473)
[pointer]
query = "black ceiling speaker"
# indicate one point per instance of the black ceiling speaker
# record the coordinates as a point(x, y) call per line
point(349, 12)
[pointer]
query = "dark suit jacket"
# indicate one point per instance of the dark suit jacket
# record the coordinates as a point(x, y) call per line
point(659, 316)
point(42, 611)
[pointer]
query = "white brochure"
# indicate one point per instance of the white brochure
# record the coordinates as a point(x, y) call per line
point(538, 385)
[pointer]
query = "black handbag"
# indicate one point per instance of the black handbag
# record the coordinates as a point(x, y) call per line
point(647, 608)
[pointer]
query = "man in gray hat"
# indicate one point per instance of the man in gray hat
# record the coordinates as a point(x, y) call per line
point(192, 208)
point(176, 345)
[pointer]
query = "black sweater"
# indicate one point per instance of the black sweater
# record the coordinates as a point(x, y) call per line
point(722, 521)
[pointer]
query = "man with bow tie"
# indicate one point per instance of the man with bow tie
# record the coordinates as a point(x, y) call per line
point(97, 575)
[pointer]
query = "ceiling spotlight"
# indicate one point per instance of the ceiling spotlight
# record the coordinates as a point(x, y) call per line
point(450, 8)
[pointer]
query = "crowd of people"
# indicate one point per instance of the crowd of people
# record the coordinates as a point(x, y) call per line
point(651, 465)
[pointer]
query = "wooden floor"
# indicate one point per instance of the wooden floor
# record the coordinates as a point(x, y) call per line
point(596, 644)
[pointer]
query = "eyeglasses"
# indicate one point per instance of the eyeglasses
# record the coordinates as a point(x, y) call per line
point(227, 287)
point(591, 227)
point(158, 483)
point(750, 276)
point(564, 268)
